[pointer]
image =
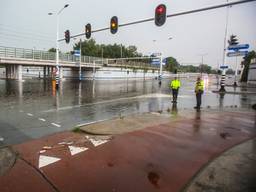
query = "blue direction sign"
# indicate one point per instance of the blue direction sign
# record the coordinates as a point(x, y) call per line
point(223, 66)
point(237, 47)
point(155, 61)
point(77, 53)
point(237, 53)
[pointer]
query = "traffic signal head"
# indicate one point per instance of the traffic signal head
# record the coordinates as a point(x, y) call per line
point(114, 25)
point(233, 40)
point(67, 36)
point(88, 31)
point(160, 15)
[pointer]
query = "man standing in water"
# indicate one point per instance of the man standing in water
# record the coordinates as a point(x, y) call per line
point(175, 85)
point(199, 90)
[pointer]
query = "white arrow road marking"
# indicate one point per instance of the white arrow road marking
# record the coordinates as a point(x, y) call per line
point(76, 150)
point(46, 160)
point(96, 142)
point(57, 125)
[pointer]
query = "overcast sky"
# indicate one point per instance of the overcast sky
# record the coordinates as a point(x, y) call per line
point(26, 24)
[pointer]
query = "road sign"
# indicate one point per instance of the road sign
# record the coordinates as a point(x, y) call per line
point(155, 61)
point(223, 67)
point(77, 53)
point(156, 54)
point(237, 53)
point(237, 47)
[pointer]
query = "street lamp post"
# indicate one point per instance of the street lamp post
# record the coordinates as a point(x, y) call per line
point(57, 76)
point(161, 62)
point(201, 68)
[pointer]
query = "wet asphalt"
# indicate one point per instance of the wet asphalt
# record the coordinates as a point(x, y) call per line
point(32, 108)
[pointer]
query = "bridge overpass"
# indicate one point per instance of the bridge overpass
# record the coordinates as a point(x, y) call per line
point(13, 59)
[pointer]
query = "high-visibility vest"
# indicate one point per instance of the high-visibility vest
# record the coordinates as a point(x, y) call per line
point(199, 86)
point(175, 84)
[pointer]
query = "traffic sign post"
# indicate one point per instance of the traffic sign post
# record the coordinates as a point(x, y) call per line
point(223, 67)
point(235, 48)
point(238, 47)
point(237, 53)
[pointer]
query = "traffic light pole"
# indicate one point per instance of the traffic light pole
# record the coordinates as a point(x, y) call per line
point(223, 75)
point(57, 69)
point(171, 15)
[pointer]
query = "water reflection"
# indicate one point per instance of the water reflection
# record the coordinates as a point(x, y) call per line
point(197, 121)
point(174, 111)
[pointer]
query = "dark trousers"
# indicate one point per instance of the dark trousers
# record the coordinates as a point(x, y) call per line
point(175, 94)
point(198, 99)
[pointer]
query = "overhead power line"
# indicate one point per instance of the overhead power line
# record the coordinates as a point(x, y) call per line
point(169, 16)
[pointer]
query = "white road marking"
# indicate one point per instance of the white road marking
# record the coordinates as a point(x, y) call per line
point(41, 119)
point(96, 142)
point(21, 111)
point(92, 122)
point(1, 139)
point(46, 160)
point(76, 150)
point(57, 125)
point(62, 143)
point(42, 151)
point(156, 95)
point(29, 114)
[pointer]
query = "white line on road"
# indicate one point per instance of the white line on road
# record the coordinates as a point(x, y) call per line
point(29, 114)
point(57, 125)
point(21, 111)
point(156, 95)
point(41, 119)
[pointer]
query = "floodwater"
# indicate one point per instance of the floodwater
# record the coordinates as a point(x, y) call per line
point(33, 108)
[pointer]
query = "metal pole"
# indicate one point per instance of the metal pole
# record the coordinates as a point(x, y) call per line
point(236, 72)
point(57, 55)
point(80, 61)
point(93, 69)
point(223, 75)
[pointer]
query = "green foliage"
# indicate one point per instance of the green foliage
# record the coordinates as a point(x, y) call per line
point(52, 50)
point(246, 63)
point(91, 48)
point(171, 64)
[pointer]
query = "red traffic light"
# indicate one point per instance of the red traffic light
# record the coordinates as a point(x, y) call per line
point(160, 9)
point(160, 15)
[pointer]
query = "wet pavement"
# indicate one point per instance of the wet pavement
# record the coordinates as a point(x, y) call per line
point(32, 109)
point(164, 156)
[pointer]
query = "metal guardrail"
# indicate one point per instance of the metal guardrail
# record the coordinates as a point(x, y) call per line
point(39, 55)
point(11, 52)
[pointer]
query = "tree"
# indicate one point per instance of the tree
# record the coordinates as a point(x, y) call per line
point(91, 48)
point(246, 64)
point(171, 64)
point(52, 50)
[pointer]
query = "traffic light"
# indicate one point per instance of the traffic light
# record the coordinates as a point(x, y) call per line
point(114, 25)
point(67, 36)
point(233, 40)
point(160, 15)
point(88, 31)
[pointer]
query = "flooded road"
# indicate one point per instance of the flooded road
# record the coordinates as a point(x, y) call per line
point(32, 108)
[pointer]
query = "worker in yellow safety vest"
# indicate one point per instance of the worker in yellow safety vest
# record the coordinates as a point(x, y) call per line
point(175, 85)
point(199, 90)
